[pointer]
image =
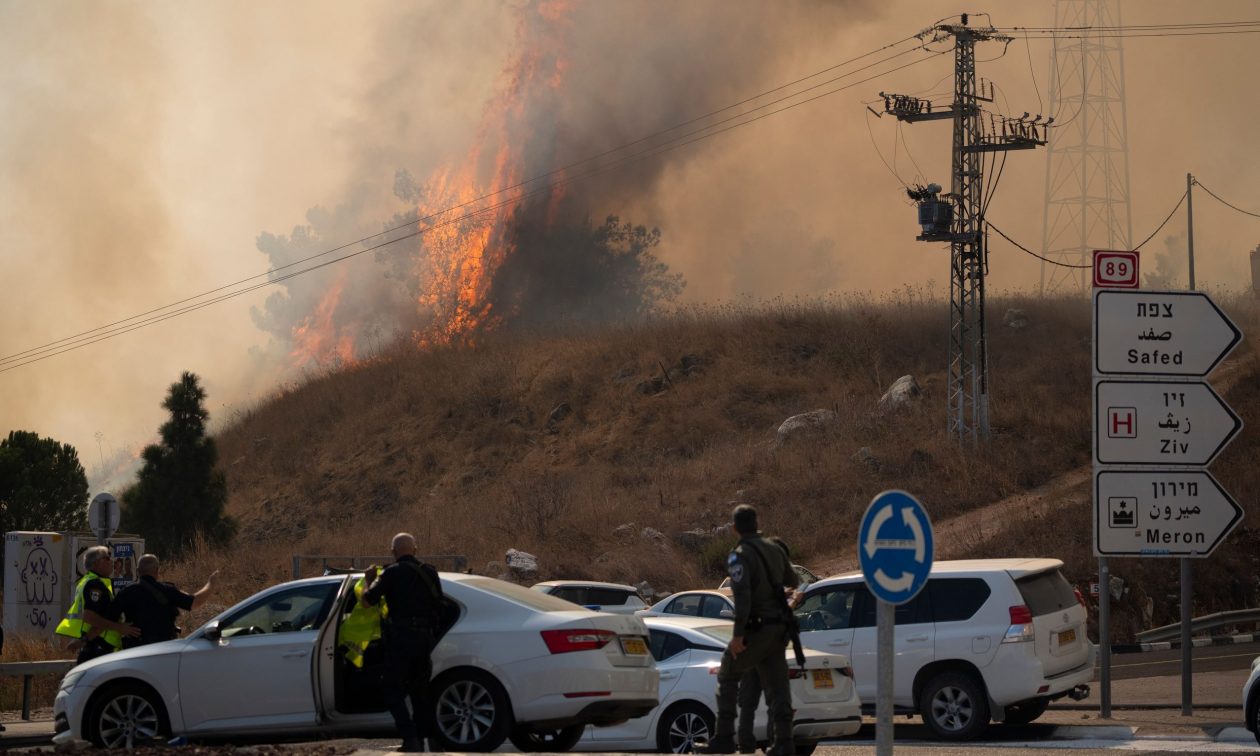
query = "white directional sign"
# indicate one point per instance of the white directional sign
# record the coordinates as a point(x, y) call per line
point(1184, 514)
point(1160, 423)
point(1159, 333)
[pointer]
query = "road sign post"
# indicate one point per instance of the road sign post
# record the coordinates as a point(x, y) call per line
point(895, 548)
point(103, 516)
point(1150, 413)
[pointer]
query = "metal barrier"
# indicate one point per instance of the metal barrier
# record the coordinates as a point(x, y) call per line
point(1199, 624)
point(28, 670)
point(448, 562)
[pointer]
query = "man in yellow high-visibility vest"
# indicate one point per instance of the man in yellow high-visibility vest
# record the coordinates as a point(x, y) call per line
point(87, 621)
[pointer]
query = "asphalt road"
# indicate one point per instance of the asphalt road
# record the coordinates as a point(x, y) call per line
point(1205, 659)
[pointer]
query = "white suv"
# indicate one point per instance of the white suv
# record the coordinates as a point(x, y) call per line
point(985, 639)
point(1251, 699)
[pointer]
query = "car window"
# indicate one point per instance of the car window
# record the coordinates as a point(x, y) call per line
point(827, 609)
point(1046, 592)
point(607, 596)
point(957, 599)
point(570, 593)
point(666, 644)
point(300, 608)
point(712, 607)
point(688, 605)
point(917, 610)
point(634, 601)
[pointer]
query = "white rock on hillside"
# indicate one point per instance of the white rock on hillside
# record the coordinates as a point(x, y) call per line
point(805, 423)
point(904, 391)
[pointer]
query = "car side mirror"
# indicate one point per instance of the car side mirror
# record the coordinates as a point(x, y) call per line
point(727, 614)
point(212, 632)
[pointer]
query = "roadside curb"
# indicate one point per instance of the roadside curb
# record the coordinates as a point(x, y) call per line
point(1223, 640)
point(1230, 734)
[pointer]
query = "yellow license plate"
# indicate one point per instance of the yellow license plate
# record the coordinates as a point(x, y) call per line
point(634, 646)
point(822, 679)
point(1067, 636)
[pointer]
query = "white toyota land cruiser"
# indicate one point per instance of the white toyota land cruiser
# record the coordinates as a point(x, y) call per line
point(987, 639)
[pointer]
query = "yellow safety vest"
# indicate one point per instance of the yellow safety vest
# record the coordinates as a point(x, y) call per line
point(362, 626)
point(73, 626)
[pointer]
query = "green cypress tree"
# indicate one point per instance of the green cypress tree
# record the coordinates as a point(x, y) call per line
point(178, 492)
point(42, 484)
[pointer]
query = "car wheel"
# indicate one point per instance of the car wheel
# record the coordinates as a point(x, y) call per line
point(954, 706)
point(126, 715)
point(471, 711)
point(1026, 711)
point(805, 747)
point(684, 727)
point(529, 740)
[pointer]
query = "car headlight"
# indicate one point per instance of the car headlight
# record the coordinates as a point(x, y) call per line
point(71, 678)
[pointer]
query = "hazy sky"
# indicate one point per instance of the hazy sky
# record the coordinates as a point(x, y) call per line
point(146, 146)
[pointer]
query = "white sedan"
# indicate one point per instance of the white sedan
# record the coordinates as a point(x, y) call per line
point(688, 653)
point(512, 663)
point(715, 604)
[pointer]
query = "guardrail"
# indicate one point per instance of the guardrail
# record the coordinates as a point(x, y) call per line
point(28, 670)
point(450, 562)
point(1198, 624)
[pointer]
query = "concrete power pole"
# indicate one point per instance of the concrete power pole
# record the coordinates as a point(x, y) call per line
point(958, 217)
point(1087, 201)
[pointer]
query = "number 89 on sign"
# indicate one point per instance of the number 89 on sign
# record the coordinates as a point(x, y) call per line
point(1115, 269)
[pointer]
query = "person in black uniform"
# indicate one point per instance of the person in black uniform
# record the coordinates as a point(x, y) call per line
point(153, 606)
point(413, 594)
point(97, 599)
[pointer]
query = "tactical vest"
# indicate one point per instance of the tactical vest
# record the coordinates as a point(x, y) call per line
point(73, 626)
point(362, 626)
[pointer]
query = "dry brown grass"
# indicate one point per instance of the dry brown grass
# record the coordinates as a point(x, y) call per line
point(457, 445)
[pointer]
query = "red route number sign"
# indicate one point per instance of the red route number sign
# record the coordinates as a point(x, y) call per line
point(1115, 269)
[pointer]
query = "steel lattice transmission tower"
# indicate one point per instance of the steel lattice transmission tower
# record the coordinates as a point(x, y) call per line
point(958, 217)
point(1087, 162)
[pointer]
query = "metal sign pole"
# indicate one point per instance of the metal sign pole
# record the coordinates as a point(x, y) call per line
point(1187, 689)
point(885, 617)
point(1104, 637)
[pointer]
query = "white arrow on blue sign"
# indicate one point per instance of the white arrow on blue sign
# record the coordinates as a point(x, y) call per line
point(895, 546)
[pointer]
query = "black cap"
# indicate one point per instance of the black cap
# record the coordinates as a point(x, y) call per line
point(745, 519)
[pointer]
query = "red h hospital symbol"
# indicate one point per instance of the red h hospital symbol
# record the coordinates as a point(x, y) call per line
point(1121, 422)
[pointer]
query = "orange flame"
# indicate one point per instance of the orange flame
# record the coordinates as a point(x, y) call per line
point(463, 257)
point(318, 340)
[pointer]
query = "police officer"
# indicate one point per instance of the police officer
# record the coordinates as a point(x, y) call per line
point(750, 683)
point(413, 593)
point(153, 606)
point(760, 572)
point(88, 620)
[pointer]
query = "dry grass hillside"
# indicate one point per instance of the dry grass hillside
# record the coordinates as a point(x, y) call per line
point(548, 442)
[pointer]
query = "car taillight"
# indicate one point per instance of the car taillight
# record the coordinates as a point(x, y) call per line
point(795, 673)
point(564, 641)
point(1080, 599)
point(846, 671)
point(1021, 628)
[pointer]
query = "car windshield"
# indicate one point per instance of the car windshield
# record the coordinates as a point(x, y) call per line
point(721, 633)
point(536, 600)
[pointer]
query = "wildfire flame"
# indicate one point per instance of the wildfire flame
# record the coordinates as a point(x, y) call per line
point(458, 259)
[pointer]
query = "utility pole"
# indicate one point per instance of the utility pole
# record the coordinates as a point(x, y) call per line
point(958, 217)
point(1190, 225)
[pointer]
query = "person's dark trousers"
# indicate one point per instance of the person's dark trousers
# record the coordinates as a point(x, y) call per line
point(93, 649)
point(764, 654)
point(407, 671)
point(749, 700)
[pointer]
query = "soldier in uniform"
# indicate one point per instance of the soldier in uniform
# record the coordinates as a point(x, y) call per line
point(750, 683)
point(88, 618)
point(760, 572)
point(153, 606)
point(413, 593)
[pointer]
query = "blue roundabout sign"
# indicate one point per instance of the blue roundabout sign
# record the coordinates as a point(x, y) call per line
point(895, 546)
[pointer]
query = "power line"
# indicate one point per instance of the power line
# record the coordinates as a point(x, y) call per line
point(62, 346)
point(1066, 265)
point(1199, 183)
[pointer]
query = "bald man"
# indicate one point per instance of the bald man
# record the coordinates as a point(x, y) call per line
point(413, 593)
